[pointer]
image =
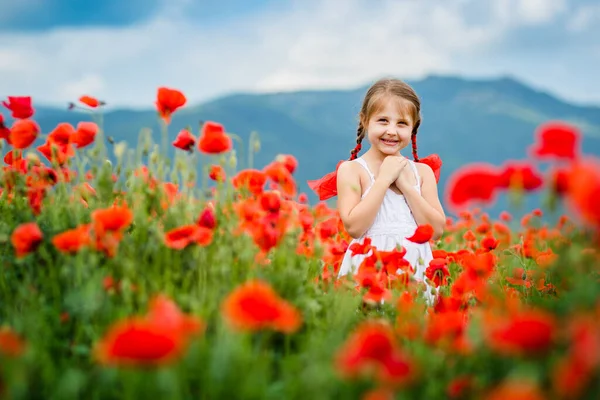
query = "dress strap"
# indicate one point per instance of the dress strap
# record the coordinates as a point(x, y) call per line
point(416, 172)
point(365, 166)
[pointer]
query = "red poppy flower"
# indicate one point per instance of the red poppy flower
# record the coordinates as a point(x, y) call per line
point(114, 218)
point(85, 134)
point(4, 131)
point(139, 342)
point(11, 159)
point(217, 173)
point(184, 236)
point(168, 101)
point(72, 240)
point(58, 144)
point(184, 140)
point(20, 107)
point(559, 178)
point(213, 139)
point(165, 312)
point(372, 348)
point(279, 174)
point(326, 186)
point(267, 231)
point(394, 260)
point(459, 387)
point(447, 329)
point(520, 175)
point(207, 218)
point(26, 238)
point(437, 271)
point(489, 243)
point(505, 216)
point(528, 332)
point(475, 182)
point(11, 344)
point(556, 140)
point(423, 234)
point(23, 133)
point(584, 190)
point(270, 201)
point(478, 265)
point(62, 134)
point(158, 338)
point(362, 247)
point(254, 306)
point(251, 179)
point(91, 101)
point(435, 163)
point(289, 161)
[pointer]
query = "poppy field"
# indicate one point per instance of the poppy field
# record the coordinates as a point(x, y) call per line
point(151, 278)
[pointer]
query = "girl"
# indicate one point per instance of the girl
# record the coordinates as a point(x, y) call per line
point(383, 195)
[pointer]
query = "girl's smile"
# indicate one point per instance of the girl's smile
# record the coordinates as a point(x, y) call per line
point(390, 142)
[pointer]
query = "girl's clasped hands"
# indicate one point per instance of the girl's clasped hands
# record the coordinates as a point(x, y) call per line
point(395, 169)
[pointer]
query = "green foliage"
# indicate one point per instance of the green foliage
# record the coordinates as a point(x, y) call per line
point(62, 304)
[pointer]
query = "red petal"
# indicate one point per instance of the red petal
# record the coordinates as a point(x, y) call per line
point(326, 187)
point(435, 162)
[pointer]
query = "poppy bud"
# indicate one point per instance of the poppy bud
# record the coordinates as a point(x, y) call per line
point(256, 144)
point(233, 160)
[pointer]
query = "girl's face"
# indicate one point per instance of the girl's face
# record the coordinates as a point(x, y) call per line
point(389, 129)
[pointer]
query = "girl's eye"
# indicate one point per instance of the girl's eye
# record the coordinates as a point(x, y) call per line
point(402, 123)
point(382, 120)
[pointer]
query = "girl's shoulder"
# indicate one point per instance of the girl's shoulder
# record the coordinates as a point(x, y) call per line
point(352, 171)
point(348, 169)
point(424, 170)
point(420, 165)
point(350, 166)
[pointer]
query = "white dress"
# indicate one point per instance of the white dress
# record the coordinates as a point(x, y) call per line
point(392, 225)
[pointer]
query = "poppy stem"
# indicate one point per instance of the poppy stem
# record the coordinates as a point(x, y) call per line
point(241, 142)
point(165, 137)
point(251, 140)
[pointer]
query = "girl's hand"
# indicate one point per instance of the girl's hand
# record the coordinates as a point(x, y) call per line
point(390, 169)
point(406, 178)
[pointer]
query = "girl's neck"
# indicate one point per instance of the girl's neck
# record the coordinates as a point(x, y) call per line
point(375, 155)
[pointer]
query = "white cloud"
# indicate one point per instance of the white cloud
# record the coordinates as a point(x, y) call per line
point(313, 44)
point(88, 83)
point(539, 11)
point(527, 12)
point(584, 17)
point(334, 48)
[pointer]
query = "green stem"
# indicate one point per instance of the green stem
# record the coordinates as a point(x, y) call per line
point(165, 137)
point(238, 139)
point(251, 150)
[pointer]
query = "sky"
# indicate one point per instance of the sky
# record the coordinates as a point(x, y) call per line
point(122, 51)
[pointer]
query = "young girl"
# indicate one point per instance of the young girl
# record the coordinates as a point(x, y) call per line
point(382, 195)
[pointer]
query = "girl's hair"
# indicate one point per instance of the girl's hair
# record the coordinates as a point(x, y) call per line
point(382, 90)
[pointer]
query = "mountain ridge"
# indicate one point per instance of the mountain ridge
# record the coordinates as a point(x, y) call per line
point(464, 121)
point(500, 79)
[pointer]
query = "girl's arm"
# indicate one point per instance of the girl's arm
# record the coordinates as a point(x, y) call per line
point(356, 214)
point(426, 207)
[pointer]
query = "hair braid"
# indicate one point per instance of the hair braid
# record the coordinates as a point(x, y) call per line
point(413, 139)
point(360, 134)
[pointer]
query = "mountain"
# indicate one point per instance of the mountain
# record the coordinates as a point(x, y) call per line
point(464, 121)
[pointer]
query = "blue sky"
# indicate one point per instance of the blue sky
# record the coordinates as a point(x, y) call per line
point(44, 15)
point(121, 51)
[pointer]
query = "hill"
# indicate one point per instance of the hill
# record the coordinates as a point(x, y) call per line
point(464, 121)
